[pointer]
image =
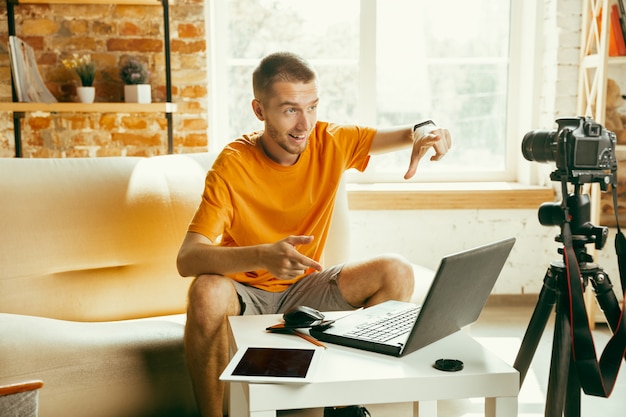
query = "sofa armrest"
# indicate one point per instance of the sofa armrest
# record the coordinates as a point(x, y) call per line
point(423, 278)
point(20, 399)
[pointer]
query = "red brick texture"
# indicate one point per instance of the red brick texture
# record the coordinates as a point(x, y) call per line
point(109, 33)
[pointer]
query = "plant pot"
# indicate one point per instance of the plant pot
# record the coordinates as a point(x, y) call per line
point(86, 94)
point(137, 93)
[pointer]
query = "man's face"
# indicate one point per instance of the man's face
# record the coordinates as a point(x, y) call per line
point(289, 114)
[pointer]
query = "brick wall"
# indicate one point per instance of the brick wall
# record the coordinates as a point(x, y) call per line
point(109, 33)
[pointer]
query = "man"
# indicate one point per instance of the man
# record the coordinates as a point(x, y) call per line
point(255, 242)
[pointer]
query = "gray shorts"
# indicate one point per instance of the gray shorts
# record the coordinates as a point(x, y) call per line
point(318, 290)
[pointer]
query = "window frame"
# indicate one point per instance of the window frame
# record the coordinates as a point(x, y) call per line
point(523, 88)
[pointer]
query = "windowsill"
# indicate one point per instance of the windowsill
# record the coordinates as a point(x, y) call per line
point(424, 196)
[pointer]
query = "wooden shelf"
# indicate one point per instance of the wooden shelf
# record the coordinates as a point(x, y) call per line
point(89, 108)
point(592, 61)
point(104, 2)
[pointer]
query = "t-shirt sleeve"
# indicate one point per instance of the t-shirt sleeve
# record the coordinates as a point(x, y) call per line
point(215, 211)
point(356, 141)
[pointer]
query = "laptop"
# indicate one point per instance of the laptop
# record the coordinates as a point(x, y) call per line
point(455, 299)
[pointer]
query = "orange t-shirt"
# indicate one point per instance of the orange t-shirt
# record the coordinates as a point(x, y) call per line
point(248, 199)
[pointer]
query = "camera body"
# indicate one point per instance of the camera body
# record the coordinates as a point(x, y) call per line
point(583, 150)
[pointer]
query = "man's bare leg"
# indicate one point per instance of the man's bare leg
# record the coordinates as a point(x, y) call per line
point(366, 283)
point(212, 298)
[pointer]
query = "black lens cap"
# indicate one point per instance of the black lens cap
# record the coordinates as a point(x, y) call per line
point(448, 365)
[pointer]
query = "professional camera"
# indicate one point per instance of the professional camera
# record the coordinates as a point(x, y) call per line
point(583, 150)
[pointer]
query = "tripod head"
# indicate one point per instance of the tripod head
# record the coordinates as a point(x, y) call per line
point(576, 210)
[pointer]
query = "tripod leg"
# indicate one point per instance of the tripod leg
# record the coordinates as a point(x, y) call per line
point(573, 398)
point(538, 321)
point(560, 361)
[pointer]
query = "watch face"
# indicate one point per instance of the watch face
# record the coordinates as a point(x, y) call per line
point(427, 122)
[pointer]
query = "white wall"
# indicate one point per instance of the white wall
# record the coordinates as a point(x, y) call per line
point(424, 236)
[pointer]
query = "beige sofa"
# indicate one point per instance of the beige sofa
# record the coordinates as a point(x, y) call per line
point(90, 299)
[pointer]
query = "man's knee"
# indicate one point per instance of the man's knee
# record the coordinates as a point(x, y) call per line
point(399, 273)
point(212, 296)
point(399, 265)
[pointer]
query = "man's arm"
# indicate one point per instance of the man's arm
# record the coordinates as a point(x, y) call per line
point(198, 255)
point(424, 138)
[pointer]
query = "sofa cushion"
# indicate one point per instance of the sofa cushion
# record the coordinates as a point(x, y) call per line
point(130, 368)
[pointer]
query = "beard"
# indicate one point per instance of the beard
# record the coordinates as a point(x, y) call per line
point(286, 141)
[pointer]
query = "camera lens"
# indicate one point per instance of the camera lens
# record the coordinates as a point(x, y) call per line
point(539, 146)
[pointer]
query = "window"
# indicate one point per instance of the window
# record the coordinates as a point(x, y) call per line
point(383, 63)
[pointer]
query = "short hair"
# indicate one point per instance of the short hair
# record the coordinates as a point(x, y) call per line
point(280, 66)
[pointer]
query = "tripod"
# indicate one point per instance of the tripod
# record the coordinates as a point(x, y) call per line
point(564, 389)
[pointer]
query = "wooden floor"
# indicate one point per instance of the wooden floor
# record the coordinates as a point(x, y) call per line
point(501, 329)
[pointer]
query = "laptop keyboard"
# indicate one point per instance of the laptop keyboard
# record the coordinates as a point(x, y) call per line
point(392, 325)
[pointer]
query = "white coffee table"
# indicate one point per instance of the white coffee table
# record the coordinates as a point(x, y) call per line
point(349, 376)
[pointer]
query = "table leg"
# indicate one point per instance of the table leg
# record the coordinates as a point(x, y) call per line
point(425, 409)
point(238, 401)
point(501, 407)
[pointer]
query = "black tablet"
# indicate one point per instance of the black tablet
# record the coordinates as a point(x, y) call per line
point(273, 365)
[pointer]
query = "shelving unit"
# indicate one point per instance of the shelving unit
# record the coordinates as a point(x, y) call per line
point(593, 74)
point(594, 59)
point(168, 108)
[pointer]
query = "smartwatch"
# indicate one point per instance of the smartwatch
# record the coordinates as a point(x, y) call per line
point(426, 123)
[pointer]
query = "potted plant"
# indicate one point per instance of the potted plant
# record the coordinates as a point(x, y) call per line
point(135, 76)
point(85, 68)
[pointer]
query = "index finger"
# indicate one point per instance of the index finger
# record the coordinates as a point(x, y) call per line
point(303, 260)
point(307, 262)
